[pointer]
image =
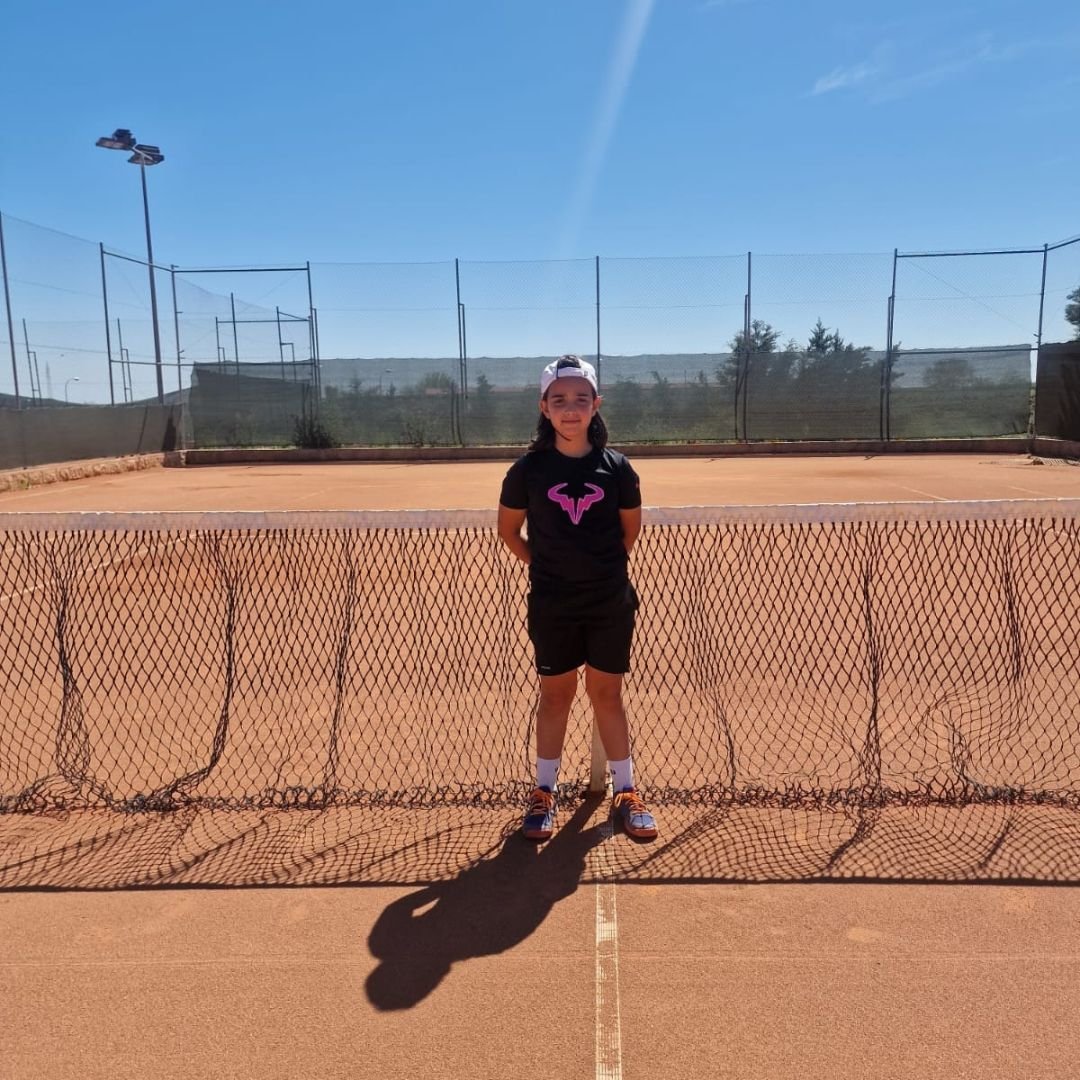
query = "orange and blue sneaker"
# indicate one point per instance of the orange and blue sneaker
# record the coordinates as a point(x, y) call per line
point(631, 811)
point(540, 816)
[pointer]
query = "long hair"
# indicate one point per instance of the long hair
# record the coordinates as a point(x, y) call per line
point(544, 439)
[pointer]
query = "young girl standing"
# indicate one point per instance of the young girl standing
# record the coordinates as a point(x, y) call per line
point(582, 503)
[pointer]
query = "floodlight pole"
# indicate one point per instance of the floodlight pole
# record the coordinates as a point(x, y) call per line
point(7, 308)
point(153, 288)
point(122, 139)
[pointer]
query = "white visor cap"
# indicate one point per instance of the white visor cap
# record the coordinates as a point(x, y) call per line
point(568, 367)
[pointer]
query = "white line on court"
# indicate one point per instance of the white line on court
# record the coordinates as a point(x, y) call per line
point(608, 1023)
point(919, 491)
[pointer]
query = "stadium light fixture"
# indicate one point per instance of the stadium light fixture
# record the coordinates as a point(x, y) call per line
point(143, 155)
point(120, 139)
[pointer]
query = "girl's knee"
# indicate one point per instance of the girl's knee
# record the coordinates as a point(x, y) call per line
point(558, 691)
point(603, 689)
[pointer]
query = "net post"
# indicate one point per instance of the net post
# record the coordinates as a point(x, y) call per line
point(598, 764)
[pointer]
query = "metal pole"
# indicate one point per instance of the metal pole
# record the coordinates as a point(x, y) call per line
point(885, 420)
point(460, 345)
point(280, 344)
point(176, 333)
point(598, 318)
point(316, 370)
point(1038, 345)
point(153, 290)
point(464, 342)
point(7, 308)
point(235, 339)
point(108, 336)
point(1042, 299)
point(743, 392)
point(217, 342)
point(29, 360)
point(316, 363)
point(125, 367)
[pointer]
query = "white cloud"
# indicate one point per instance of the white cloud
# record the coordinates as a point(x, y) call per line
point(882, 80)
point(713, 5)
point(839, 78)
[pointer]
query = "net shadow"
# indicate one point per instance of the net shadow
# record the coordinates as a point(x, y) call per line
point(96, 850)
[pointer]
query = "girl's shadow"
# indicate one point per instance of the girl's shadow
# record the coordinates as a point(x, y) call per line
point(487, 909)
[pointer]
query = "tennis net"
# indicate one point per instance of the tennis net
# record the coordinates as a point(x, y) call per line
point(803, 657)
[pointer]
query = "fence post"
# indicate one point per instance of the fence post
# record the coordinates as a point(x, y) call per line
point(176, 334)
point(108, 332)
point(313, 336)
point(7, 308)
point(462, 369)
point(742, 363)
point(235, 339)
point(598, 318)
point(885, 419)
point(1042, 299)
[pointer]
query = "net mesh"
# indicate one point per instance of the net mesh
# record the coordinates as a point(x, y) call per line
point(808, 658)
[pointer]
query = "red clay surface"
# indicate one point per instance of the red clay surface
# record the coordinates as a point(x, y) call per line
point(515, 966)
point(470, 485)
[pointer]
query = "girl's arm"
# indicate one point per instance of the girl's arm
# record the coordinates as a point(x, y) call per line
point(509, 526)
point(631, 525)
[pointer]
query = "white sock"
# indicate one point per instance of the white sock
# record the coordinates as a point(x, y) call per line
point(547, 772)
point(622, 774)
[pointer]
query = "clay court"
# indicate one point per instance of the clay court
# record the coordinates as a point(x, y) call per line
point(244, 943)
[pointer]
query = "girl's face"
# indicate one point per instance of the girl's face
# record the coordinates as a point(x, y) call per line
point(570, 404)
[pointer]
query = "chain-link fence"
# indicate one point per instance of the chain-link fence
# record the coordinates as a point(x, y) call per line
point(897, 345)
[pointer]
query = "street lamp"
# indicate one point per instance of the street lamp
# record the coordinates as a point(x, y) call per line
point(67, 382)
point(143, 155)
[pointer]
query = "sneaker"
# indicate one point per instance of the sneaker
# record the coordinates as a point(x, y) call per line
point(540, 816)
point(636, 819)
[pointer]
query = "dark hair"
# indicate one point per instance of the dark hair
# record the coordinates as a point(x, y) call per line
point(544, 439)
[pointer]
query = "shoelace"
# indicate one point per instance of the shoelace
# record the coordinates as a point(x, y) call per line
point(635, 803)
point(540, 803)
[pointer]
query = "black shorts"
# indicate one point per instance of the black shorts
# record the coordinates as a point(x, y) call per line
point(594, 628)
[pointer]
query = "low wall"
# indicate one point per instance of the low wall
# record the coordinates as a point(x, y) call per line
point(273, 455)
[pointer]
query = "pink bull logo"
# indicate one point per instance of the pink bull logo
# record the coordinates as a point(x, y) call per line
point(575, 507)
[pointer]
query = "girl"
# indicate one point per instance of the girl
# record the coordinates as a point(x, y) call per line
point(583, 507)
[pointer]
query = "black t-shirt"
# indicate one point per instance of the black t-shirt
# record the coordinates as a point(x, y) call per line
point(572, 510)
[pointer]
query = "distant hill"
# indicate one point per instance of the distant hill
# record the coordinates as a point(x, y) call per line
point(517, 372)
point(8, 401)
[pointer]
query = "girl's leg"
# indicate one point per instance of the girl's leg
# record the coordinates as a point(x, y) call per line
point(556, 696)
point(605, 693)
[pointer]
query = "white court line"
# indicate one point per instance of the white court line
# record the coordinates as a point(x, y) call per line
point(919, 491)
point(608, 1020)
point(136, 555)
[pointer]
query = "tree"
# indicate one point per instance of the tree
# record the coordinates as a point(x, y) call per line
point(1072, 310)
point(828, 355)
point(436, 382)
point(762, 342)
point(950, 373)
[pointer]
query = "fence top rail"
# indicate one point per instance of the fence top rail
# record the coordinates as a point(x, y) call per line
point(954, 254)
point(240, 269)
point(134, 259)
point(1064, 243)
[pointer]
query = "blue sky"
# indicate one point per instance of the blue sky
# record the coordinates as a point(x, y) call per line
point(424, 131)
